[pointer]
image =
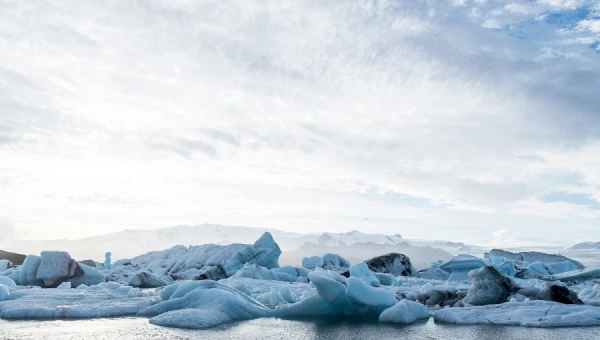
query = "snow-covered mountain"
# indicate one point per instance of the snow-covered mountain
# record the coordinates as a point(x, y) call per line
point(353, 244)
point(130, 243)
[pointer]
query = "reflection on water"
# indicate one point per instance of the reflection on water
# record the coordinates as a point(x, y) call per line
point(139, 328)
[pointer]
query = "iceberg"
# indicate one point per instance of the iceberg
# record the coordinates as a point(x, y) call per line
point(392, 263)
point(591, 272)
point(51, 303)
point(313, 262)
point(203, 262)
point(559, 294)
point(211, 303)
point(362, 271)
point(531, 314)
point(460, 266)
point(488, 287)
point(56, 267)
point(433, 274)
point(404, 312)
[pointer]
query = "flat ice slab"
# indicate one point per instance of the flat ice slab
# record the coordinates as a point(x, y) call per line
point(531, 314)
point(53, 303)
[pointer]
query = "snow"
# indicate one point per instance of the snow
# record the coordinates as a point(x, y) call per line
point(51, 303)
point(460, 266)
point(362, 271)
point(532, 314)
point(404, 312)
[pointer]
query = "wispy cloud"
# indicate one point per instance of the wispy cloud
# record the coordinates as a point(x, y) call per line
point(477, 107)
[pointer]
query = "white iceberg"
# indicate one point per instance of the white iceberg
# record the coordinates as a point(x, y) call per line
point(404, 312)
point(210, 303)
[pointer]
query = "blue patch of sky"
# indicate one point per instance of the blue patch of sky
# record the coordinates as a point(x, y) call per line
point(579, 199)
point(595, 46)
point(533, 28)
point(568, 19)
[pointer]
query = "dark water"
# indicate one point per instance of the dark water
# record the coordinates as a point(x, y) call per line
point(139, 328)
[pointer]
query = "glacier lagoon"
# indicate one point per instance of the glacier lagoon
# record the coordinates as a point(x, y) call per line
point(131, 328)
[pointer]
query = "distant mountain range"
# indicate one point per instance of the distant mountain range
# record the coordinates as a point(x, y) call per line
point(354, 245)
point(130, 243)
point(586, 246)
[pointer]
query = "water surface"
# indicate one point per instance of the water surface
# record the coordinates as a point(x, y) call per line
point(140, 328)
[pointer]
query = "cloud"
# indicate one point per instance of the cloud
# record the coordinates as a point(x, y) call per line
point(474, 108)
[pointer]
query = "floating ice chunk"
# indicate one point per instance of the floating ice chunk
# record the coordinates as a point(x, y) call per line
point(434, 274)
point(7, 281)
point(329, 288)
point(146, 279)
point(5, 265)
point(276, 297)
point(253, 271)
point(334, 261)
point(210, 304)
point(312, 262)
point(361, 293)
point(576, 275)
point(392, 263)
point(489, 287)
point(27, 274)
point(53, 303)
point(56, 267)
point(107, 261)
point(506, 268)
point(134, 292)
point(83, 287)
point(385, 279)
point(460, 266)
point(362, 271)
point(591, 295)
point(532, 256)
point(559, 294)
point(4, 292)
point(529, 313)
point(91, 276)
point(264, 252)
point(64, 285)
point(404, 312)
point(427, 287)
point(442, 295)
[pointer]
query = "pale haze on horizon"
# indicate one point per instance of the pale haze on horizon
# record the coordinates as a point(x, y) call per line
point(475, 121)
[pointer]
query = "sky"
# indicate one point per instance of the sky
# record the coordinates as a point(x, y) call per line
point(458, 120)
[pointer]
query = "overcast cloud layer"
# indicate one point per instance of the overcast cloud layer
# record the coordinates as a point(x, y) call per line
point(462, 120)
